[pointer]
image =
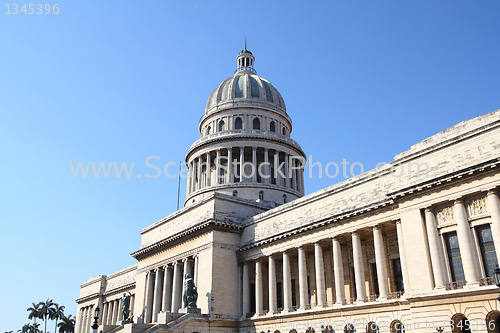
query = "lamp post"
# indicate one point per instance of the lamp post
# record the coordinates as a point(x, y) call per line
point(95, 326)
point(497, 279)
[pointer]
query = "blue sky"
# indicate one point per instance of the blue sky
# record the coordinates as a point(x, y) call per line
point(118, 81)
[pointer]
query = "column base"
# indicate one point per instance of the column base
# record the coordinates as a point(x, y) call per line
point(271, 313)
point(381, 299)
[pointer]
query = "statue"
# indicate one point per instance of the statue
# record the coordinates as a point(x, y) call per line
point(126, 305)
point(190, 294)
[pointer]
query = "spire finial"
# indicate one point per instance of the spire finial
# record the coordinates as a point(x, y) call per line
point(245, 42)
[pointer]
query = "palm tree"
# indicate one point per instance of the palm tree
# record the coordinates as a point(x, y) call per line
point(34, 312)
point(24, 329)
point(46, 311)
point(67, 324)
point(57, 314)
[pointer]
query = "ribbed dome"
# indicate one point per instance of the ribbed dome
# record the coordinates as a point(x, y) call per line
point(245, 89)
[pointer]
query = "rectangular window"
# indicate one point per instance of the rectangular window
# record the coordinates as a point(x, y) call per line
point(279, 295)
point(488, 254)
point(237, 174)
point(375, 278)
point(398, 274)
point(308, 291)
point(294, 294)
point(454, 257)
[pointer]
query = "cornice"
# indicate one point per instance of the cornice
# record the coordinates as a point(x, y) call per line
point(320, 223)
point(210, 223)
point(449, 177)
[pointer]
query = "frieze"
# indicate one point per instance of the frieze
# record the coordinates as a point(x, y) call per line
point(476, 206)
point(370, 251)
point(445, 214)
point(392, 246)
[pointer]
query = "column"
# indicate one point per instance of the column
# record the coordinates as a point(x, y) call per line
point(242, 162)
point(273, 305)
point(208, 170)
point(196, 263)
point(338, 269)
point(294, 174)
point(381, 262)
point(287, 282)
point(119, 318)
point(104, 313)
point(436, 250)
point(109, 317)
point(246, 290)
point(267, 174)
point(402, 257)
point(116, 308)
point(84, 319)
point(132, 303)
point(217, 167)
point(287, 178)
point(167, 289)
point(188, 268)
point(158, 293)
point(466, 244)
point(89, 318)
point(200, 178)
point(230, 165)
point(148, 313)
point(359, 270)
point(302, 278)
point(176, 287)
point(254, 163)
point(320, 275)
point(494, 210)
point(259, 304)
point(191, 178)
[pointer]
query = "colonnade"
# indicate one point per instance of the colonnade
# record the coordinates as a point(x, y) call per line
point(86, 319)
point(164, 287)
point(299, 254)
point(259, 165)
point(469, 252)
point(112, 311)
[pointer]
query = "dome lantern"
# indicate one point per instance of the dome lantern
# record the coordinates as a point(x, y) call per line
point(245, 61)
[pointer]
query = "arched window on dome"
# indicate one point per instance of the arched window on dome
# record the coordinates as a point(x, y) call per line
point(261, 195)
point(209, 129)
point(256, 123)
point(284, 131)
point(221, 125)
point(235, 193)
point(254, 87)
point(284, 198)
point(272, 126)
point(238, 123)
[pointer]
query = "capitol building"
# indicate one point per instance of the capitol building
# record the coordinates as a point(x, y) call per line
point(410, 246)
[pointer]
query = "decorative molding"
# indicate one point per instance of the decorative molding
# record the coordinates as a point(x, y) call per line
point(445, 214)
point(392, 246)
point(476, 206)
point(453, 176)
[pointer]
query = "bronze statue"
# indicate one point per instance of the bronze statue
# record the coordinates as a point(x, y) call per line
point(126, 305)
point(190, 294)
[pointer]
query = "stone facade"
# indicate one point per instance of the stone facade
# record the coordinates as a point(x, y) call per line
point(409, 246)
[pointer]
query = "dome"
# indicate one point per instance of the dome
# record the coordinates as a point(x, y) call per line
point(245, 89)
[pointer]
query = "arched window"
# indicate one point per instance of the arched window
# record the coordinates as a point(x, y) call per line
point(328, 329)
point(371, 327)
point(284, 130)
point(310, 330)
point(284, 198)
point(238, 90)
point(221, 125)
point(238, 123)
point(493, 322)
point(397, 327)
point(256, 123)
point(349, 328)
point(272, 126)
point(261, 195)
point(460, 324)
point(254, 88)
point(235, 193)
point(209, 129)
